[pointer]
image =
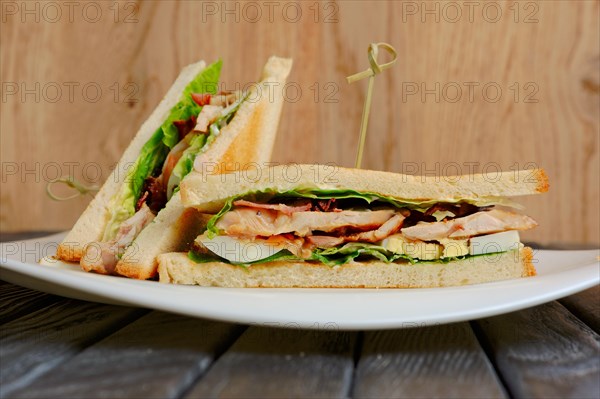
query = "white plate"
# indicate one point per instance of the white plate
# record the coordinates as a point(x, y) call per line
point(561, 273)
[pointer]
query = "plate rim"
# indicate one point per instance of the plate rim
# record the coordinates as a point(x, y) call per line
point(582, 277)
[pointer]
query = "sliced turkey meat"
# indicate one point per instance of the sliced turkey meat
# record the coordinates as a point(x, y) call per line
point(493, 221)
point(208, 115)
point(286, 209)
point(266, 222)
point(224, 99)
point(319, 241)
point(102, 257)
point(387, 229)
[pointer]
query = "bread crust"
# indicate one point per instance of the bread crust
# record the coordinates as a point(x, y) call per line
point(177, 268)
point(543, 181)
point(174, 231)
point(69, 252)
point(527, 260)
point(209, 192)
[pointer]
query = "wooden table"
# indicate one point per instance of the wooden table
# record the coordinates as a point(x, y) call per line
point(52, 347)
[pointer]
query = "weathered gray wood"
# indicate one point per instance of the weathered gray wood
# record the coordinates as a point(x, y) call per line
point(586, 306)
point(544, 352)
point(34, 344)
point(18, 301)
point(428, 362)
point(157, 356)
point(280, 363)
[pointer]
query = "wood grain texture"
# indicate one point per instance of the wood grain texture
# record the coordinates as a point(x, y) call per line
point(157, 356)
point(544, 352)
point(18, 301)
point(544, 51)
point(39, 341)
point(427, 362)
point(280, 363)
point(586, 306)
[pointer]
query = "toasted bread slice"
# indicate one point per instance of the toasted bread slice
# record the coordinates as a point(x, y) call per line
point(247, 140)
point(92, 222)
point(177, 268)
point(208, 193)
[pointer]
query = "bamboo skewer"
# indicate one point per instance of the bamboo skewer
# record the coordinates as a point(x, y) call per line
point(370, 73)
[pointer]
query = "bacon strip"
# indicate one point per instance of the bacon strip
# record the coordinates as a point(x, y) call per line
point(185, 126)
point(326, 205)
point(154, 194)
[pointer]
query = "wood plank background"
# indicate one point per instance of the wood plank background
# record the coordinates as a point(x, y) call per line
point(73, 349)
point(544, 56)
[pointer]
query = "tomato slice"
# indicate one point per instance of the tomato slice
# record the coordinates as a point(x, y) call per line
point(201, 99)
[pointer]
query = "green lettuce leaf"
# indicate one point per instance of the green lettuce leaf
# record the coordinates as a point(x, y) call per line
point(204, 258)
point(206, 82)
point(350, 251)
point(185, 163)
point(211, 228)
point(336, 256)
point(398, 203)
point(154, 152)
point(152, 156)
point(122, 206)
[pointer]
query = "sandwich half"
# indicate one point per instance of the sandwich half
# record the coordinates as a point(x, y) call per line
point(321, 226)
point(137, 213)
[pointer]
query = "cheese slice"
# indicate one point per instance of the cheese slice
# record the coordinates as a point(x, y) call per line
point(399, 244)
point(454, 248)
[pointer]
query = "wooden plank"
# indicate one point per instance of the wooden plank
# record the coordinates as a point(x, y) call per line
point(18, 301)
point(429, 362)
point(544, 352)
point(436, 108)
point(280, 363)
point(24, 235)
point(157, 356)
point(34, 344)
point(586, 306)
